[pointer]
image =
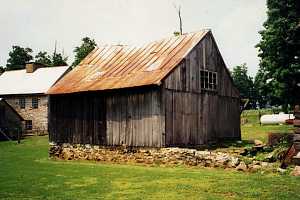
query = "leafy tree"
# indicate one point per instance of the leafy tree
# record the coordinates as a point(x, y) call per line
point(83, 50)
point(55, 60)
point(244, 83)
point(262, 89)
point(18, 57)
point(1, 70)
point(279, 51)
point(268, 89)
point(43, 58)
point(59, 60)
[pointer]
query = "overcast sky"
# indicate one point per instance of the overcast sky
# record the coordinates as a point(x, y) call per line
point(38, 23)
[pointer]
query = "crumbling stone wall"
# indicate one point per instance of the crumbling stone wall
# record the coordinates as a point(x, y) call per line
point(153, 156)
point(39, 116)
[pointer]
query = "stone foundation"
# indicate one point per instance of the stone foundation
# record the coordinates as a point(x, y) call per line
point(159, 156)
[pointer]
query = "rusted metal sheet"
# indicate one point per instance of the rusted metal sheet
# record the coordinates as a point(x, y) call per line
point(117, 66)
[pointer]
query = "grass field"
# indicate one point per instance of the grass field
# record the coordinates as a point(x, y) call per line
point(253, 130)
point(27, 173)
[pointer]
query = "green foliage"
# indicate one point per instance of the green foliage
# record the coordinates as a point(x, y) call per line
point(279, 51)
point(55, 60)
point(18, 57)
point(26, 172)
point(59, 60)
point(83, 50)
point(1, 70)
point(43, 58)
point(244, 83)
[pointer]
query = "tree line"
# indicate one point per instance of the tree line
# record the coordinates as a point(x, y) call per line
point(19, 56)
point(277, 81)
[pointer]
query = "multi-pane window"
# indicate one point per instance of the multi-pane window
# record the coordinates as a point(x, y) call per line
point(22, 102)
point(208, 80)
point(28, 125)
point(35, 102)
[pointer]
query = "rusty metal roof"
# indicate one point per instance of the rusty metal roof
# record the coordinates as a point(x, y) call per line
point(117, 66)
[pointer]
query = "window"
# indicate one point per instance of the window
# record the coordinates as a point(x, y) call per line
point(28, 125)
point(208, 80)
point(22, 103)
point(35, 102)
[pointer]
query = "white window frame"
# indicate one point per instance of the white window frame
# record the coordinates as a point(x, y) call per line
point(208, 80)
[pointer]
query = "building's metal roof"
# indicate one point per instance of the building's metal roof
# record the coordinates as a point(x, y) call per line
point(117, 66)
point(20, 82)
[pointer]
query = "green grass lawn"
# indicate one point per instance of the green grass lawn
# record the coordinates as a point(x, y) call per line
point(253, 130)
point(27, 173)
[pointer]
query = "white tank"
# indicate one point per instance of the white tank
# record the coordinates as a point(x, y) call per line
point(275, 118)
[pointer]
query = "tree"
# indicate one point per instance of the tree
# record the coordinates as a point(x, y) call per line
point(43, 58)
point(244, 83)
point(83, 50)
point(262, 88)
point(1, 70)
point(55, 60)
point(279, 51)
point(18, 57)
point(59, 60)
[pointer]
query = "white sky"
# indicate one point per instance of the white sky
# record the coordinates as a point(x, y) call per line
point(38, 23)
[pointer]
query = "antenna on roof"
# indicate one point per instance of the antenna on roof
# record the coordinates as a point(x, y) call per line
point(55, 44)
point(178, 9)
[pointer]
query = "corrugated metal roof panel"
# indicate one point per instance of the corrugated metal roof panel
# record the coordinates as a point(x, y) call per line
point(117, 66)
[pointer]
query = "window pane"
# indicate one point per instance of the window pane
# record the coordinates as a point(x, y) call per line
point(208, 80)
point(22, 102)
point(35, 102)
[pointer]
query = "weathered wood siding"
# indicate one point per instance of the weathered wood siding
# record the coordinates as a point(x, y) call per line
point(135, 118)
point(195, 116)
point(11, 123)
point(124, 117)
point(77, 118)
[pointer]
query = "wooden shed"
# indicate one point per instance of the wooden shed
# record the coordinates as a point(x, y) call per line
point(173, 92)
point(11, 123)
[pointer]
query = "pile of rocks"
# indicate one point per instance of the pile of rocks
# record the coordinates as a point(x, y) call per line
point(159, 156)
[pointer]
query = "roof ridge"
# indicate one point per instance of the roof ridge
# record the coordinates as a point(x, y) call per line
point(153, 41)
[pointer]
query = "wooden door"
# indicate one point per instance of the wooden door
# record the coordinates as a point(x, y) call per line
point(169, 118)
